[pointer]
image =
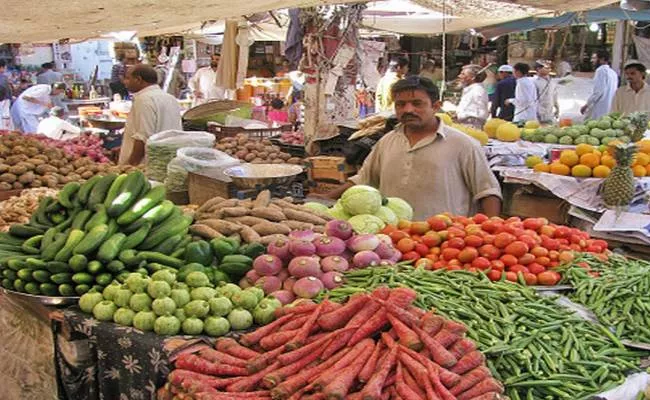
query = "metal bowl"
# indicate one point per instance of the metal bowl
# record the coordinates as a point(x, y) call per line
point(109, 123)
point(251, 176)
point(44, 300)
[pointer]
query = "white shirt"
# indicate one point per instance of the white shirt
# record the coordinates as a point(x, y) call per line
point(605, 85)
point(55, 128)
point(205, 81)
point(525, 100)
point(473, 103)
point(547, 98)
point(153, 111)
point(38, 92)
point(627, 100)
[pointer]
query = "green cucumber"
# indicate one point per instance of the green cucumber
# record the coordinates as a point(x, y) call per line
point(25, 231)
point(86, 188)
point(66, 194)
point(114, 190)
point(92, 240)
point(56, 267)
point(80, 220)
point(73, 240)
point(63, 226)
point(168, 228)
point(61, 277)
point(152, 256)
point(19, 285)
point(9, 274)
point(237, 259)
point(55, 218)
point(237, 269)
point(128, 194)
point(48, 289)
point(53, 207)
point(32, 245)
point(112, 227)
point(16, 264)
point(7, 238)
point(104, 279)
point(168, 245)
point(99, 218)
point(179, 253)
point(116, 266)
point(48, 238)
point(39, 215)
point(65, 289)
point(99, 191)
point(41, 276)
point(137, 237)
point(95, 267)
point(146, 203)
point(82, 289)
point(57, 244)
point(32, 288)
point(35, 263)
point(81, 278)
point(130, 257)
point(111, 247)
point(25, 274)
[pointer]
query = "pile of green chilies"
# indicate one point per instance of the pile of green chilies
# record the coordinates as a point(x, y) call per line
point(619, 297)
point(538, 349)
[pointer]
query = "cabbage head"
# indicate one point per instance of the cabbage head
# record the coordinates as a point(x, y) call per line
point(338, 212)
point(361, 199)
point(316, 206)
point(387, 215)
point(366, 223)
point(401, 208)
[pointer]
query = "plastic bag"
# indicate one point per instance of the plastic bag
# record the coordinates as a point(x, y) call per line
point(162, 147)
point(189, 159)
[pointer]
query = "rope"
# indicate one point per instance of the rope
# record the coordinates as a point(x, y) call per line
point(443, 85)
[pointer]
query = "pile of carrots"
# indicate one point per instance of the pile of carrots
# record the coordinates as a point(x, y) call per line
point(376, 346)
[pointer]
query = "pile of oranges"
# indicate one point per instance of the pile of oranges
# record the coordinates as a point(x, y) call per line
point(587, 161)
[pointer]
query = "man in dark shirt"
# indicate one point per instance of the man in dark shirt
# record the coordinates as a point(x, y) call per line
point(505, 90)
point(5, 87)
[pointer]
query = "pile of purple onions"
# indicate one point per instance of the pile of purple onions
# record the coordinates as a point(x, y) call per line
point(309, 262)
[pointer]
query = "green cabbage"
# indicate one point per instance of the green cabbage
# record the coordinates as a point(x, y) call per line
point(401, 208)
point(316, 206)
point(366, 223)
point(338, 212)
point(361, 199)
point(387, 215)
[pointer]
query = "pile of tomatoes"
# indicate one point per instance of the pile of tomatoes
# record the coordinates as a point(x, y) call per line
point(526, 250)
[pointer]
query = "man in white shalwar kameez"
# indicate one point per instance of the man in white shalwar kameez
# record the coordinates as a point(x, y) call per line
point(526, 99)
point(605, 86)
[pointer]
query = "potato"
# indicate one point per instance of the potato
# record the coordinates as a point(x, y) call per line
point(241, 154)
point(251, 146)
point(36, 183)
point(8, 177)
point(273, 156)
point(271, 228)
point(263, 154)
point(15, 159)
point(87, 175)
point(249, 157)
point(18, 185)
point(18, 169)
point(5, 186)
point(32, 151)
point(65, 170)
point(26, 178)
point(295, 160)
point(257, 161)
point(4, 168)
point(249, 235)
point(284, 156)
point(277, 161)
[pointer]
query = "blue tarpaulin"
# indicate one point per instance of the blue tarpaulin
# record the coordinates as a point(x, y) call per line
point(567, 19)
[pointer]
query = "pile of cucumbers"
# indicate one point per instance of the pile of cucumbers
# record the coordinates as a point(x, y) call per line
point(93, 233)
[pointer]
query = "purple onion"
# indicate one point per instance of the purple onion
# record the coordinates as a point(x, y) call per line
point(269, 284)
point(365, 258)
point(267, 264)
point(280, 249)
point(363, 242)
point(283, 274)
point(332, 279)
point(339, 229)
point(284, 296)
point(301, 247)
point(302, 267)
point(308, 287)
point(384, 239)
point(288, 283)
point(334, 263)
point(384, 250)
point(306, 235)
point(329, 246)
point(386, 263)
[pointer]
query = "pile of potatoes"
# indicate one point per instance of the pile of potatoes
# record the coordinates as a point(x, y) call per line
point(255, 151)
point(28, 163)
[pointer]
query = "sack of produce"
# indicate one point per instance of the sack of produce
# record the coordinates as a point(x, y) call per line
point(162, 147)
point(192, 159)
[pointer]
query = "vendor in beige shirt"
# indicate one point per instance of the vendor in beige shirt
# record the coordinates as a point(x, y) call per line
point(432, 166)
point(635, 96)
point(153, 111)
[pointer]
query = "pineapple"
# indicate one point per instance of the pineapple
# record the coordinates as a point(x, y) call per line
point(618, 188)
point(639, 122)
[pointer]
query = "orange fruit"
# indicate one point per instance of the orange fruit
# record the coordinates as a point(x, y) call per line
point(642, 159)
point(541, 167)
point(647, 169)
point(608, 161)
point(644, 146)
point(560, 169)
point(591, 160)
point(639, 170)
point(569, 158)
point(598, 153)
point(581, 171)
point(584, 148)
point(601, 171)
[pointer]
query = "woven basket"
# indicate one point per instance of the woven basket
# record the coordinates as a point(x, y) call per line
point(198, 117)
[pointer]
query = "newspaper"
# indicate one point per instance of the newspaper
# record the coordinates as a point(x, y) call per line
point(611, 228)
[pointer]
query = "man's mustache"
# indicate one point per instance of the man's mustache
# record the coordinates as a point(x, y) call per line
point(404, 116)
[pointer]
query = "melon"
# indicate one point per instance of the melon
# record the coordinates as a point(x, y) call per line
point(531, 124)
point(508, 132)
point(491, 126)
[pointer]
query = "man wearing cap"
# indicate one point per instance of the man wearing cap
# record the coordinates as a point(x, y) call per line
point(473, 106)
point(547, 107)
point(635, 96)
point(505, 90)
point(55, 127)
point(525, 100)
point(204, 83)
point(33, 103)
point(605, 86)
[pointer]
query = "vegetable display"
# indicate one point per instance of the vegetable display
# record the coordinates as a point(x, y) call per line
point(263, 219)
point(376, 346)
point(525, 251)
point(84, 145)
point(19, 209)
point(92, 233)
point(534, 346)
point(168, 307)
point(616, 291)
point(308, 262)
point(255, 151)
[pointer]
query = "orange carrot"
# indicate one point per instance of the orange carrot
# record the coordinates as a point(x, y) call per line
point(250, 382)
point(438, 353)
point(372, 389)
point(312, 338)
point(364, 314)
point(413, 383)
point(403, 388)
point(304, 331)
point(252, 338)
point(295, 323)
point(197, 364)
point(403, 315)
point(402, 297)
point(441, 390)
point(488, 396)
point(470, 379)
point(194, 386)
point(455, 327)
point(370, 327)
point(230, 346)
point(217, 356)
point(468, 362)
point(261, 362)
point(274, 378)
point(390, 381)
point(295, 355)
point(406, 336)
point(305, 306)
point(416, 310)
point(368, 369)
point(446, 337)
point(232, 396)
point(338, 342)
point(462, 347)
point(338, 318)
point(381, 292)
point(432, 323)
point(447, 377)
point(277, 339)
point(177, 376)
point(362, 350)
point(340, 385)
point(488, 385)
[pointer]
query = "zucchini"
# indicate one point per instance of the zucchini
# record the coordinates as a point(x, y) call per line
point(73, 240)
point(80, 220)
point(99, 191)
point(57, 244)
point(61, 277)
point(99, 218)
point(114, 190)
point(48, 289)
point(152, 256)
point(111, 247)
point(146, 203)
point(130, 257)
point(39, 215)
point(104, 279)
point(95, 267)
point(66, 194)
point(168, 228)
point(128, 194)
point(92, 240)
point(25, 231)
point(8, 238)
point(32, 288)
point(168, 245)
point(86, 188)
point(137, 237)
point(236, 269)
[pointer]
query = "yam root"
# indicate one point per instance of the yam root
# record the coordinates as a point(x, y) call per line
point(271, 228)
point(224, 204)
point(304, 217)
point(269, 213)
point(208, 204)
point(263, 199)
point(223, 227)
point(249, 235)
point(266, 240)
point(246, 220)
point(204, 231)
point(298, 225)
point(235, 211)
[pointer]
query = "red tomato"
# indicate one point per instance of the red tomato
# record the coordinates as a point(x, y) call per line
point(603, 244)
point(562, 232)
point(511, 276)
point(526, 259)
point(536, 268)
point(456, 243)
point(439, 265)
point(548, 278)
point(396, 236)
point(411, 255)
point(494, 275)
point(489, 251)
point(449, 254)
point(539, 251)
point(517, 248)
point(421, 249)
point(594, 249)
point(530, 278)
point(491, 226)
point(405, 245)
point(488, 239)
point(431, 239)
point(566, 257)
point(553, 255)
point(420, 227)
point(424, 263)
point(533, 223)
point(436, 251)
point(481, 263)
point(452, 267)
point(529, 240)
point(502, 240)
point(473, 241)
point(388, 229)
point(454, 262)
point(437, 223)
point(456, 233)
point(479, 218)
point(518, 268)
point(509, 260)
point(467, 255)
point(497, 264)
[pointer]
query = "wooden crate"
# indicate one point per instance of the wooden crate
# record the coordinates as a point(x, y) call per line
point(208, 183)
point(329, 169)
point(320, 187)
point(527, 201)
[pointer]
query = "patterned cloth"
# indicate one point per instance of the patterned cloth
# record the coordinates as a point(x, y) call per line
point(102, 361)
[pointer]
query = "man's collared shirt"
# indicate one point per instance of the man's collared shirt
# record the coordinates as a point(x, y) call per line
point(627, 100)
